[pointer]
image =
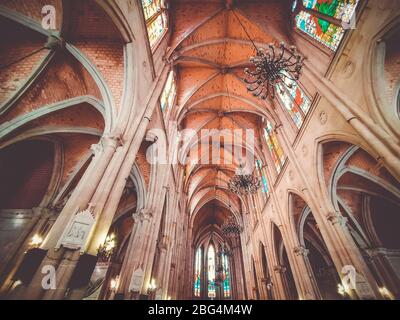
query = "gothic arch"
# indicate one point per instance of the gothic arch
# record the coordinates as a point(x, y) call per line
point(384, 103)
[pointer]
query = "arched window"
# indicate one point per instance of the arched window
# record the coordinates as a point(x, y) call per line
point(262, 176)
point(226, 283)
point(319, 29)
point(197, 273)
point(211, 271)
point(156, 18)
point(274, 147)
point(294, 100)
point(342, 10)
point(324, 20)
point(169, 92)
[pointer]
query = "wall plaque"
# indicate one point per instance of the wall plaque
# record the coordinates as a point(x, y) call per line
point(363, 288)
point(75, 235)
point(136, 280)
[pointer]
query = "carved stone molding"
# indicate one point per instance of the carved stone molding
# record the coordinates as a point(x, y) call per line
point(106, 141)
point(323, 117)
point(142, 215)
point(304, 150)
point(78, 229)
point(301, 251)
point(111, 141)
point(279, 269)
point(337, 218)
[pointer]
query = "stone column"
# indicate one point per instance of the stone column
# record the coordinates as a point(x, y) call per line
point(134, 259)
point(41, 218)
point(160, 268)
point(379, 140)
point(305, 283)
point(238, 264)
point(280, 286)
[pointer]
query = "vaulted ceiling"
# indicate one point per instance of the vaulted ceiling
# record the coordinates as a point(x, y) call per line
point(210, 47)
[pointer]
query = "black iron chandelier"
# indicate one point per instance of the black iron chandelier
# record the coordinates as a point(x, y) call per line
point(231, 229)
point(244, 183)
point(219, 276)
point(224, 251)
point(272, 70)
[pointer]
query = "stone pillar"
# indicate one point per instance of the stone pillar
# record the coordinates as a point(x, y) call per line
point(238, 264)
point(41, 220)
point(160, 268)
point(380, 141)
point(303, 277)
point(134, 259)
point(281, 286)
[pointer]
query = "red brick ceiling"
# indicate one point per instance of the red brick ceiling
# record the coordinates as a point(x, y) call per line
point(210, 50)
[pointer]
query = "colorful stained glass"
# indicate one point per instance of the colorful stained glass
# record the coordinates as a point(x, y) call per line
point(197, 273)
point(211, 272)
point(262, 175)
point(156, 20)
point(294, 100)
point(321, 30)
point(274, 147)
point(150, 8)
point(340, 9)
point(168, 95)
point(156, 29)
point(294, 5)
point(226, 283)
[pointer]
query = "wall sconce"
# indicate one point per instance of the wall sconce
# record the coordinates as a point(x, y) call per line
point(106, 250)
point(36, 241)
point(152, 287)
point(386, 293)
point(343, 291)
point(114, 283)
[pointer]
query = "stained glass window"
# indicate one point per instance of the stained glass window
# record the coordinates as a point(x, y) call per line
point(274, 147)
point(294, 5)
point(226, 283)
point(169, 92)
point(339, 9)
point(197, 273)
point(262, 176)
point(211, 272)
point(294, 100)
point(321, 30)
point(156, 20)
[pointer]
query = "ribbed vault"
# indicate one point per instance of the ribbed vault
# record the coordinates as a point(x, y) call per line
point(209, 49)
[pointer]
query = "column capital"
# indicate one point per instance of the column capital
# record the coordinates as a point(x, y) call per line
point(301, 251)
point(142, 215)
point(106, 141)
point(337, 218)
point(111, 141)
point(279, 269)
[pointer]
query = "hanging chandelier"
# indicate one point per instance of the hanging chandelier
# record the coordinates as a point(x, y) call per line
point(273, 68)
point(219, 276)
point(231, 229)
point(224, 251)
point(244, 183)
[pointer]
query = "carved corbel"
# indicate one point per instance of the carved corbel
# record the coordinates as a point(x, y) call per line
point(337, 218)
point(279, 269)
point(142, 215)
point(301, 251)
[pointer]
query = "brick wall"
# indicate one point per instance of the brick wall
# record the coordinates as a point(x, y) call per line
point(25, 173)
point(107, 56)
point(64, 78)
point(392, 68)
point(33, 9)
